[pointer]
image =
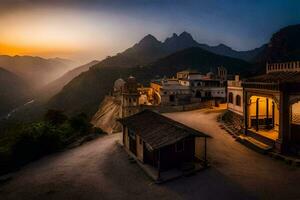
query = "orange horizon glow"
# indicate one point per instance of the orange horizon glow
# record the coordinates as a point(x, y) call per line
point(47, 51)
point(49, 32)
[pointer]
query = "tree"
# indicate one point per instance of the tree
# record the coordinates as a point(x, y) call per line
point(55, 117)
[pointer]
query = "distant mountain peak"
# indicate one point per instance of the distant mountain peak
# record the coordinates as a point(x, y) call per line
point(148, 39)
point(179, 42)
point(186, 35)
point(223, 46)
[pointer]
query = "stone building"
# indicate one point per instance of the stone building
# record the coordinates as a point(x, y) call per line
point(203, 87)
point(118, 87)
point(222, 73)
point(272, 108)
point(130, 97)
point(235, 96)
point(170, 92)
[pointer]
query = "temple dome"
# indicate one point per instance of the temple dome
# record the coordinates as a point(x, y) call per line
point(118, 85)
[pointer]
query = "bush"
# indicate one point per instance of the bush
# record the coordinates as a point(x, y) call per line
point(36, 140)
point(22, 143)
point(55, 117)
point(81, 123)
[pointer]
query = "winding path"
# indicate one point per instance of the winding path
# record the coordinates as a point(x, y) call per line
point(100, 169)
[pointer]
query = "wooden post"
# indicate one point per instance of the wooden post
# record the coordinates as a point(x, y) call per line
point(273, 114)
point(257, 113)
point(124, 132)
point(245, 100)
point(205, 154)
point(267, 112)
point(158, 165)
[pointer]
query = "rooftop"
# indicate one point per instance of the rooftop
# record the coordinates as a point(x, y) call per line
point(276, 77)
point(157, 130)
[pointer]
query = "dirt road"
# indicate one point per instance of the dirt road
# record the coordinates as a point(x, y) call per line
point(101, 169)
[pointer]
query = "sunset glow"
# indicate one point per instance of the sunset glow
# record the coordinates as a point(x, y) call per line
point(96, 29)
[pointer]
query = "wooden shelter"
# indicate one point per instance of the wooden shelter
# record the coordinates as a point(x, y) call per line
point(160, 141)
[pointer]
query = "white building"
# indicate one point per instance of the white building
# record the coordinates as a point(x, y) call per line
point(203, 86)
point(171, 92)
point(235, 95)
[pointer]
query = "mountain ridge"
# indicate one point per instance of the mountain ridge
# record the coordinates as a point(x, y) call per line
point(13, 91)
point(85, 92)
point(36, 71)
point(55, 86)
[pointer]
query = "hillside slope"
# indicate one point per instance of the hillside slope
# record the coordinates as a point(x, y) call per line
point(86, 91)
point(36, 71)
point(283, 46)
point(105, 118)
point(55, 86)
point(13, 91)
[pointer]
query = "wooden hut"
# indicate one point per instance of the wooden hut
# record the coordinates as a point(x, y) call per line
point(160, 141)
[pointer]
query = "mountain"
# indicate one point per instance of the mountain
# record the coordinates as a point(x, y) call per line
point(185, 40)
point(201, 60)
point(143, 52)
point(36, 71)
point(55, 86)
point(179, 42)
point(222, 49)
point(13, 91)
point(149, 49)
point(85, 92)
point(283, 46)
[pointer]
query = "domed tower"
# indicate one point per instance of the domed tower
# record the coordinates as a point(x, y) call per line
point(130, 97)
point(118, 87)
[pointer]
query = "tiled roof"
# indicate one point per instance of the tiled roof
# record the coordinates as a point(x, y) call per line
point(276, 77)
point(157, 130)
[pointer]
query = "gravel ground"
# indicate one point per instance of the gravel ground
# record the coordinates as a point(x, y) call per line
point(100, 169)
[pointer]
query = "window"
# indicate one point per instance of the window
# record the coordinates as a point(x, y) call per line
point(179, 146)
point(230, 97)
point(131, 134)
point(238, 100)
point(172, 98)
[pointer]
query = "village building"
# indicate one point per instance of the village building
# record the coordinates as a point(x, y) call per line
point(204, 87)
point(170, 92)
point(272, 108)
point(130, 97)
point(162, 144)
point(118, 87)
point(235, 96)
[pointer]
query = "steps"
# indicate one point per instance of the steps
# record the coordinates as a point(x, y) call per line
point(254, 144)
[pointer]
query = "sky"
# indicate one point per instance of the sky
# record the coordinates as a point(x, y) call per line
point(93, 29)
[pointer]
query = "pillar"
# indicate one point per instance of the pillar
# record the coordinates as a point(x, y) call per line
point(245, 99)
point(257, 113)
point(158, 166)
point(267, 112)
point(205, 152)
point(284, 127)
point(273, 114)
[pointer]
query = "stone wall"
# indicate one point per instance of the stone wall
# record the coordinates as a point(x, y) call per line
point(179, 108)
point(233, 121)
